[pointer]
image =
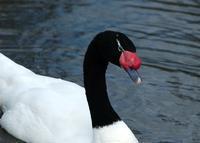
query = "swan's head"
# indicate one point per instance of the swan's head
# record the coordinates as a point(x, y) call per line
point(117, 48)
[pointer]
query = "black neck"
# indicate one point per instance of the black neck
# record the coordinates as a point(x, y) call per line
point(101, 110)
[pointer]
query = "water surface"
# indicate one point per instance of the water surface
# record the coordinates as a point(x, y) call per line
point(50, 38)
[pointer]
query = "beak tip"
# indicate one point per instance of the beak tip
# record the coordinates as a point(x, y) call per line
point(139, 81)
point(134, 76)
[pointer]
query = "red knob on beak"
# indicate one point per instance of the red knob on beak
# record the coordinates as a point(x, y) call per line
point(130, 62)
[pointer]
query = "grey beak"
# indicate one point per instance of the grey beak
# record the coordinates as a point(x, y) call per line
point(134, 75)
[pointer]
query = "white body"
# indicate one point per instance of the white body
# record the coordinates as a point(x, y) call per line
point(39, 109)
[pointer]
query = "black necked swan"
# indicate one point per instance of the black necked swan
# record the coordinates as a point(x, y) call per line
point(41, 109)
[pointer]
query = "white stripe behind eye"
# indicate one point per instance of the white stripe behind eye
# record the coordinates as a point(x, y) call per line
point(120, 48)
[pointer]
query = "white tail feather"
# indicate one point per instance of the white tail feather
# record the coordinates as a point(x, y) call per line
point(8, 68)
point(9, 71)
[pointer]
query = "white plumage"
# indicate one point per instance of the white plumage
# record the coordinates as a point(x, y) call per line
point(39, 109)
point(117, 132)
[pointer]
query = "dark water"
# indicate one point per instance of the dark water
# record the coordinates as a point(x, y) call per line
point(50, 37)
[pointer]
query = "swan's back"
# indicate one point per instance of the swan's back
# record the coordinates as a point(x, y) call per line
point(40, 109)
point(9, 68)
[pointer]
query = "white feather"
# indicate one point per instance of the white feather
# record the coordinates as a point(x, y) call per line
point(39, 109)
point(117, 132)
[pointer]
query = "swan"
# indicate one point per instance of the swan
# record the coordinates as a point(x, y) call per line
point(41, 109)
